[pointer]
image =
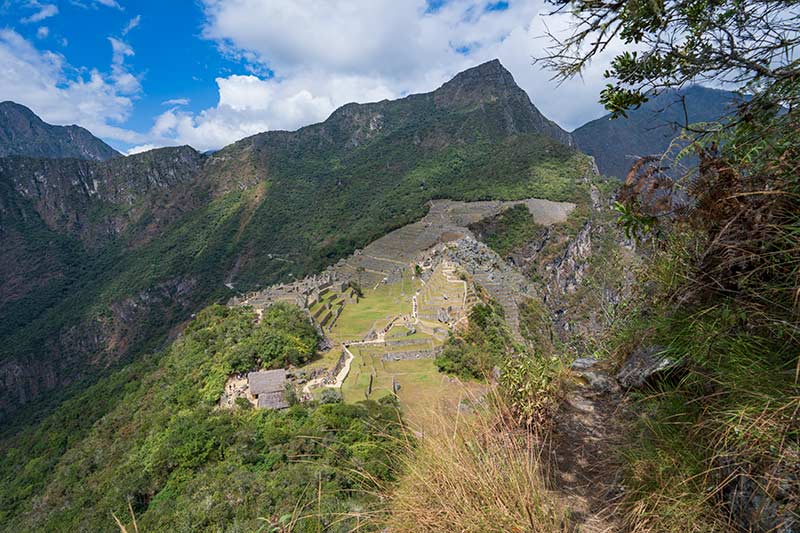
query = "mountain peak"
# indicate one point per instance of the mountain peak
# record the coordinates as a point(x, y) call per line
point(22, 132)
point(491, 84)
point(9, 107)
point(483, 82)
point(490, 71)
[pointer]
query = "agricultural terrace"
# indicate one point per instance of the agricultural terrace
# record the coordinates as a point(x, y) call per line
point(398, 357)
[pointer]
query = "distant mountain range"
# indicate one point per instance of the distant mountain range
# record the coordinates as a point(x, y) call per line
point(23, 133)
point(649, 130)
point(104, 255)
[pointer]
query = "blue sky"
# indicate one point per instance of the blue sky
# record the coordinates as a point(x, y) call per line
point(149, 73)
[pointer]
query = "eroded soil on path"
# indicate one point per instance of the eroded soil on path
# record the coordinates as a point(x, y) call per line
point(582, 452)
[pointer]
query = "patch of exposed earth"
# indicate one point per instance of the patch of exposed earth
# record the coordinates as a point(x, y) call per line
point(582, 449)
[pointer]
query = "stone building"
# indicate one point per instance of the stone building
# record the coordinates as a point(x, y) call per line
point(267, 388)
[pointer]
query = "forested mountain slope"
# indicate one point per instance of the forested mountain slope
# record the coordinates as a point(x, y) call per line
point(616, 143)
point(23, 133)
point(141, 242)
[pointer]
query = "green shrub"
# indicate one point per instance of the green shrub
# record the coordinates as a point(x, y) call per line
point(474, 353)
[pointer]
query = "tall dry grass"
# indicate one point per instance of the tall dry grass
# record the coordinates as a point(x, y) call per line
point(475, 473)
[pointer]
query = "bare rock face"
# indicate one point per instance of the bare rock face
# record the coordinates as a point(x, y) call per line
point(591, 371)
point(761, 502)
point(569, 269)
point(96, 201)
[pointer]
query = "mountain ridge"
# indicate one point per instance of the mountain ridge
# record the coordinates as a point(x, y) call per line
point(23, 133)
point(157, 236)
point(649, 130)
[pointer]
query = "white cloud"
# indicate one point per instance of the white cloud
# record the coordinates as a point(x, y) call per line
point(400, 44)
point(133, 23)
point(109, 3)
point(124, 81)
point(326, 54)
point(249, 105)
point(39, 80)
point(42, 32)
point(44, 11)
point(120, 50)
point(142, 148)
point(176, 102)
point(305, 59)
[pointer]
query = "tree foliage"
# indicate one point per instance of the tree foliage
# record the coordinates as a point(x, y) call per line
point(669, 43)
point(481, 347)
point(724, 279)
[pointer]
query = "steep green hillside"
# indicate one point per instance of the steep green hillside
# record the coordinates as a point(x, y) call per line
point(185, 466)
point(649, 130)
point(160, 234)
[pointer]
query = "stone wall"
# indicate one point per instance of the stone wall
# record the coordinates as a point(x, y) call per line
point(410, 355)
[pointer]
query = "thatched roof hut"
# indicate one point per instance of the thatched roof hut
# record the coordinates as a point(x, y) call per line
point(267, 388)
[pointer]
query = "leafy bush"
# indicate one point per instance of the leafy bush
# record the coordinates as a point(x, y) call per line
point(474, 353)
point(532, 386)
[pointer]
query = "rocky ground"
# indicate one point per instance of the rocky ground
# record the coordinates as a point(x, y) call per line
point(581, 450)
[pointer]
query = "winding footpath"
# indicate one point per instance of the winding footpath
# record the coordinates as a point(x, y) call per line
point(582, 448)
point(340, 377)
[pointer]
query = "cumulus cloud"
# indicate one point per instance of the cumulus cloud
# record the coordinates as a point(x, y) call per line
point(44, 11)
point(39, 80)
point(248, 105)
point(405, 45)
point(142, 148)
point(42, 32)
point(313, 57)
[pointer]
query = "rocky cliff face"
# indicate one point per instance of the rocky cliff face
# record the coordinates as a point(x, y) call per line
point(23, 133)
point(65, 227)
point(97, 201)
point(577, 272)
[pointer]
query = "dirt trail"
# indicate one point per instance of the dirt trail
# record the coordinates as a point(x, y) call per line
point(340, 377)
point(582, 453)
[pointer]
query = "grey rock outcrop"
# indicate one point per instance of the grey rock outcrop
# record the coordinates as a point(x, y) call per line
point(761, 502)
point(645, 364)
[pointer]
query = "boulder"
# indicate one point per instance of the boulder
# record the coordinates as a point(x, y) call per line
point(645, 364)
point(761, 502)
point(600, 381)
point(583, 363)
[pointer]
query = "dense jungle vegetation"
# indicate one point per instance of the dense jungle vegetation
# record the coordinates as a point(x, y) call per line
point(184, 465)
